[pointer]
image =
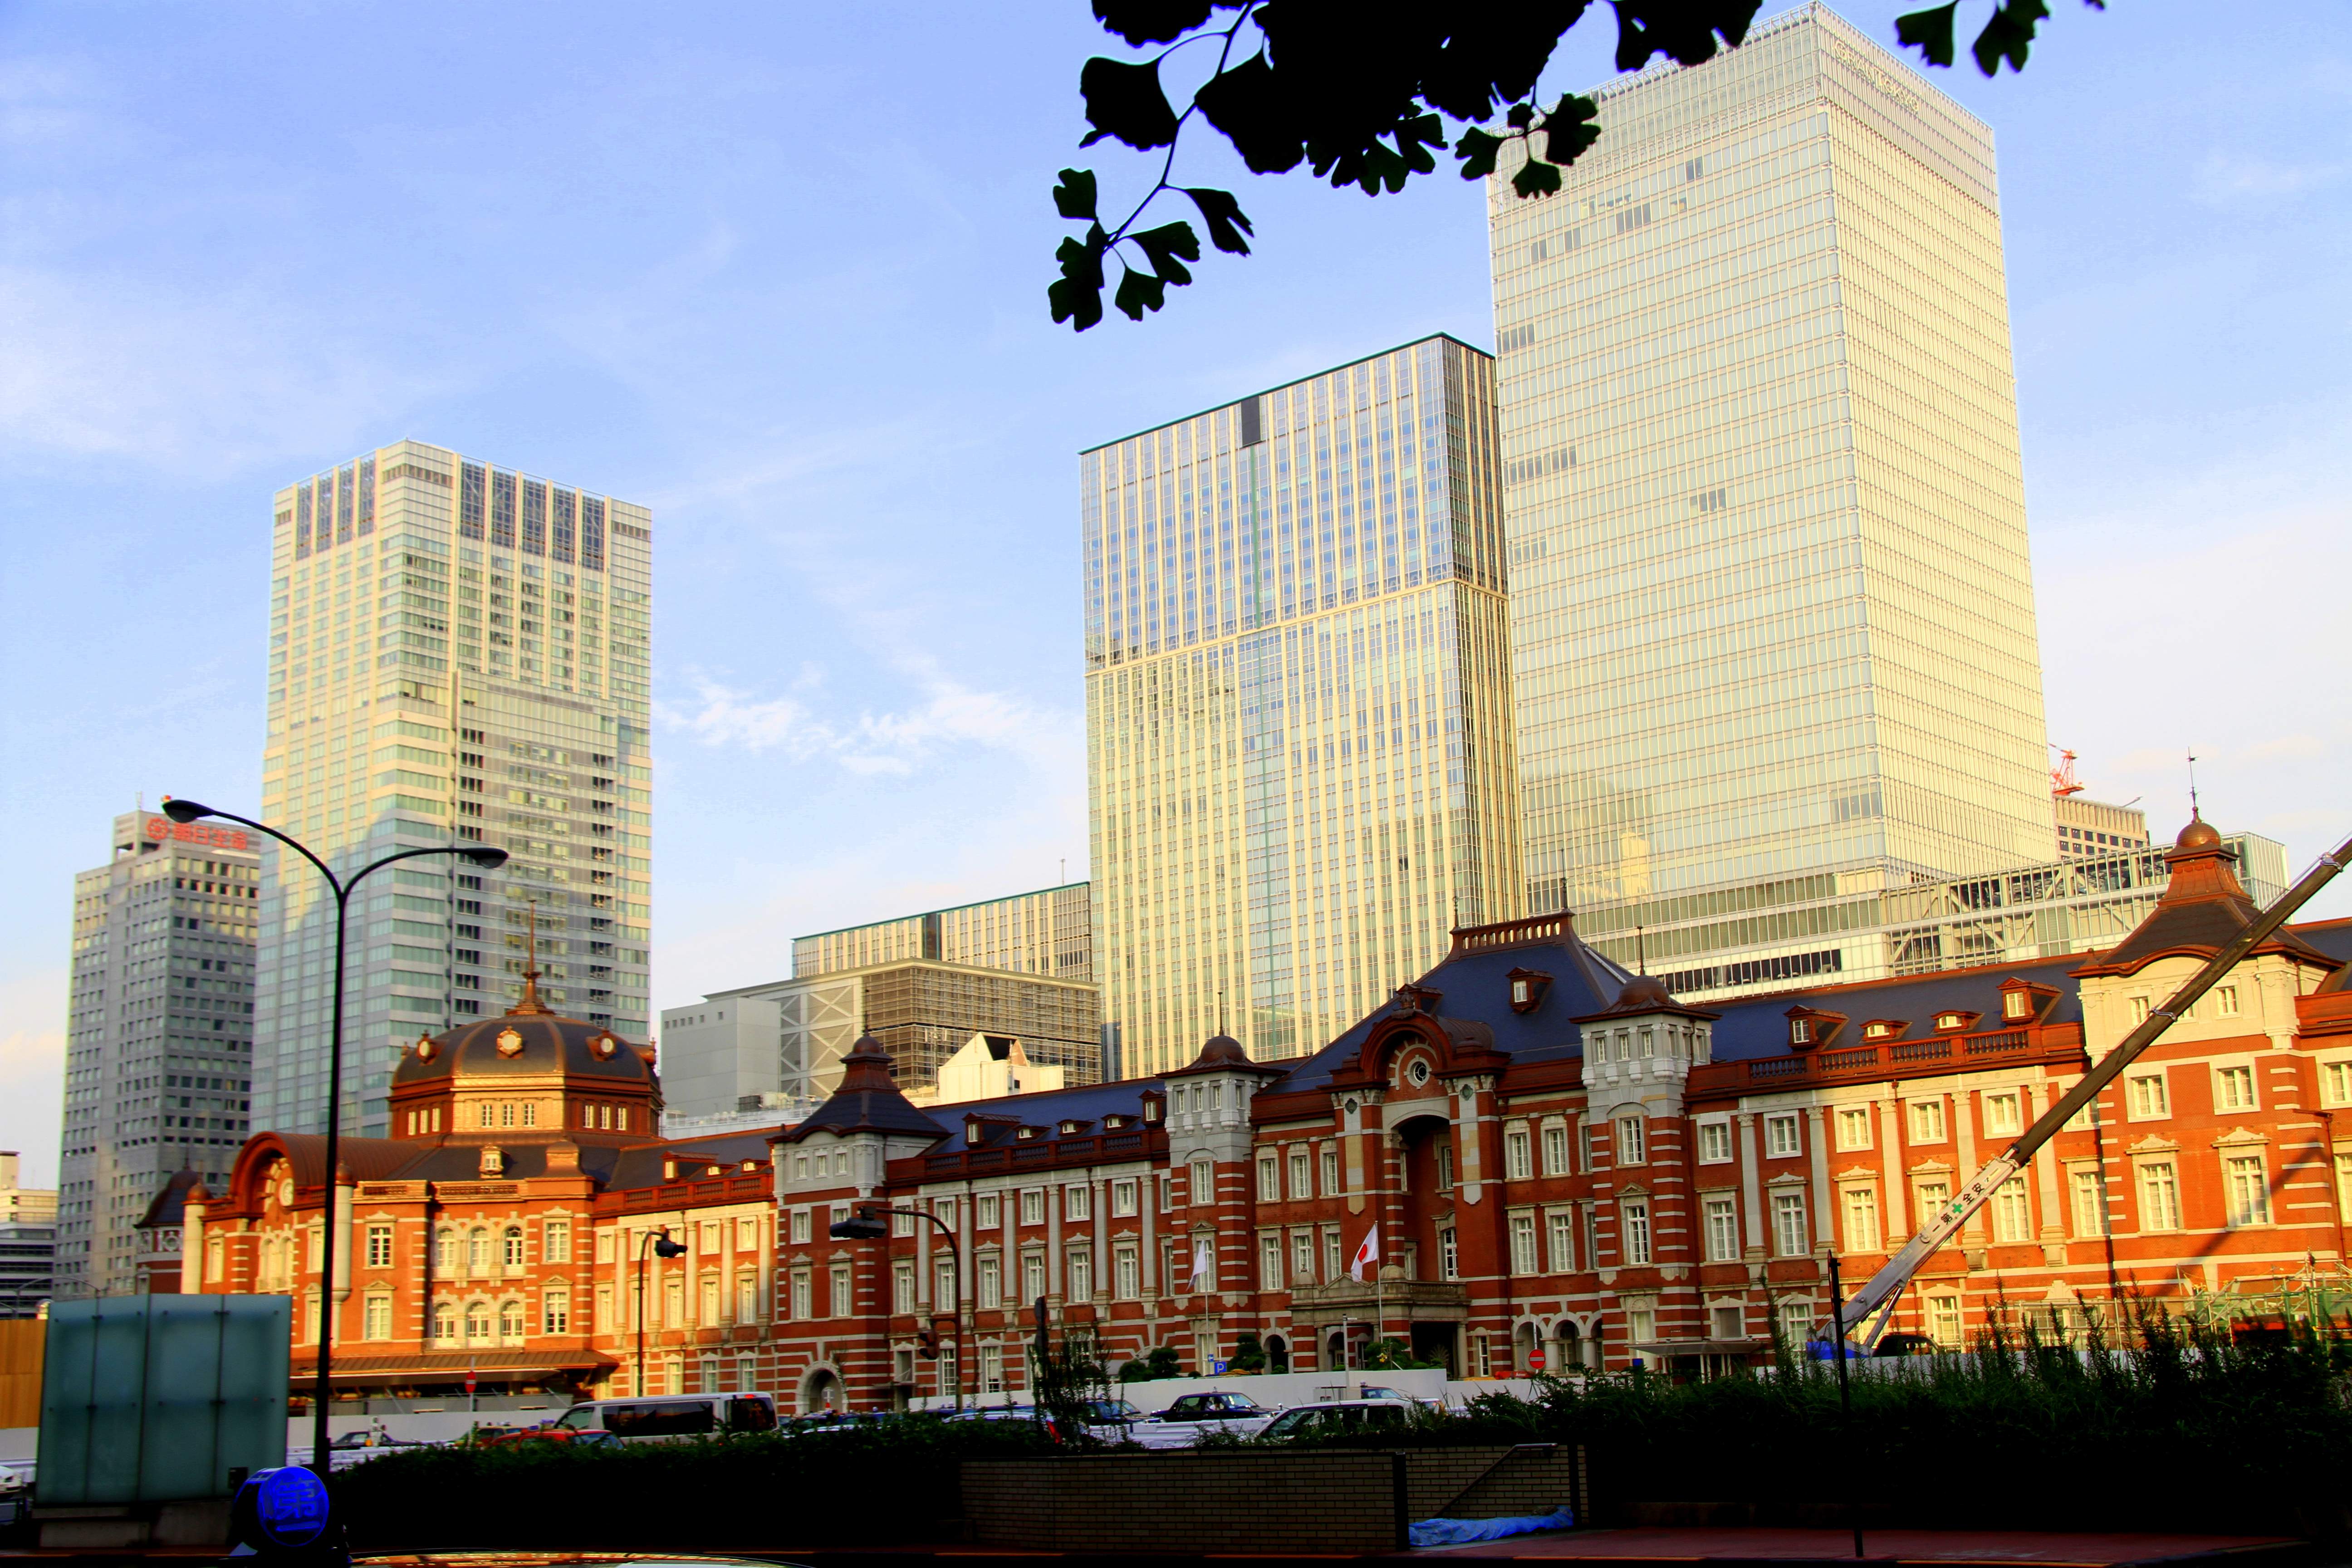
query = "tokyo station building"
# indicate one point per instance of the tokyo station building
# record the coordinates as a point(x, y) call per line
point(1563, 1167)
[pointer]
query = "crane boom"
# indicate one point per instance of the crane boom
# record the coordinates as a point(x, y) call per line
point(1873, 1306)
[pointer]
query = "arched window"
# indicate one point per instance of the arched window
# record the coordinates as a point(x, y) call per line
point(477, 1320)
point(444, 1249)
point(512, 1250)
point(510, 1321)
point(445, 1322)
point(477, 1251)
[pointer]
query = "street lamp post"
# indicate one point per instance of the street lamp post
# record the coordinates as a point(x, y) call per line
point(481, 855)
point(660, 1241)
point(865, 1224)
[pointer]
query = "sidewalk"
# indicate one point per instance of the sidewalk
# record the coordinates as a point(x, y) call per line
point(1727, 1546)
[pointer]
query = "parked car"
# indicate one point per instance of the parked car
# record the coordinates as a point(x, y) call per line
point(1195, 1416)
point(575, 1436)
point(670, 1417)
point(1342, 1416)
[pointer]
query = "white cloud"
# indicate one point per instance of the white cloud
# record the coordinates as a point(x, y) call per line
point(2226, 177)
point(948, 716)
point(32, 1069)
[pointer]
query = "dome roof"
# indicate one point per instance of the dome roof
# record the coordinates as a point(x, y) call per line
point(2199, 835)
point(1641, 994)
point(518, 1044)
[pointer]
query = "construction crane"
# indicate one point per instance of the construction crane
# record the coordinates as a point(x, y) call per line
point(1872, 1308)
point(2063, 781)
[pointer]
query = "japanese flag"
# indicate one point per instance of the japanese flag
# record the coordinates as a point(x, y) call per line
point(1200, 1264)
point(1367, 1256)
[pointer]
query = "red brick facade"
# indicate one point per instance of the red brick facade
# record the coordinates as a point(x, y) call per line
point(1560, 1161)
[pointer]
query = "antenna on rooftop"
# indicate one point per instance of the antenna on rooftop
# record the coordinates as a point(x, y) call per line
point(1640, 952)
point(2193, 814)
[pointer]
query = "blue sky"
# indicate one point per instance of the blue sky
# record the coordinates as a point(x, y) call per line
point(778, 271)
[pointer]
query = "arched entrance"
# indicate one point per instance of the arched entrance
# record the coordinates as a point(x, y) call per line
point(821, 1390)
point(1278, 1353)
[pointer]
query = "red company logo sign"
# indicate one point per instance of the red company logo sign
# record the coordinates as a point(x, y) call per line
point(197, 832)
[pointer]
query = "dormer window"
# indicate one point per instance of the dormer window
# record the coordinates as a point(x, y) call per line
point(1112, 1123)
point(1801, 1031)
point(1029, 1132)
point(1152, 1106)
point(1072, 1127)
point(1810, 1027)
point(1883, 1029)
point(2016, 1007)
point(1955, 1021)
point(1528, 989)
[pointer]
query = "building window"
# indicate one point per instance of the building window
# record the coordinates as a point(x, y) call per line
point(1302, 1256)
point(2012, 1212)
point(1642, 1325)
point(988, 1210)
point(1944, 1321)
point(1781, 1139)
point(1713, 1143)
point(1632, 1141)
point(2247, 1189)
point(1199, 1182)
point(945, 1286)
point(1077, 1201)
point(378, 1248)
point(1555, 1151)
point(511, 1319)
point(376, 1323)
point(1727, 1322)
point(673, 1302)
point(2225, 1001)
point(1033, 1206)
point(1033, 1275)
point(992, 1282)
point(556, 1311)
point(902, 1286)
point(1445, 1164)
point(1125, 1198)
point(555, 1240)
point(841, 1304)
point(1082, 1275)
point(1330, 1172)
point(477, 1320)
point(944, 1209)
point(2233, 1088)
point(444, 1251)
point(1789, 1225)
point(2135, 1008)
point(1633, 1224)
point(1722, 1230)
point(1269, 1262)
point(478, 1252)
point(2016, 1005)
point(992, 1369)
point(1127, 1271)
point(510, 1248)
point(1854, 1127)
point(1519, 1154)
point(800, 1303)
point(1559, 1232)
point(1927, 1121)
point(1302, 1175)
point(1269, 1179)
point(2088, 1188)
point(1861, 1215)
point(1448, 1259)
point(2335, 1083)
point(1523, 1244)
point(2000, 1115)
point(2160, 1195)
point(444, 1323)
point(1335, 1260)
point(2146, 1097)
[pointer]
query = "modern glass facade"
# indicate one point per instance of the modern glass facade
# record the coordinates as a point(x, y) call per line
point(1772, 613)
point(457, 653)
point(1050, 931)
point(1297, 702)
point(159, 1035)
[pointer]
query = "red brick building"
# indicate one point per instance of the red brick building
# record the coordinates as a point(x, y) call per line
point(1557, 1160)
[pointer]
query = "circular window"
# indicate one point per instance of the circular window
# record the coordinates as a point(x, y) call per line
point(1418, 1073)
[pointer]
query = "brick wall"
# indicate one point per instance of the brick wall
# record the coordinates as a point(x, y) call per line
point(1253, 1501)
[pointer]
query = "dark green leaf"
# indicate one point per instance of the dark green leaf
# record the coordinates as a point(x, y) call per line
point(1070, 300)
point(1074, 196)
point(1570, 128)
point(1928, 31)
point(1477, 150)
point(1257, 115)
point(2008, 34)
point(1536, 178)
point(1521, 116)
point(1139, 292)
point(1076, 295)
point(1141, 22)
point(1684, 31)
point(1227, 226)
point(1125, 100)
point(1164, 244)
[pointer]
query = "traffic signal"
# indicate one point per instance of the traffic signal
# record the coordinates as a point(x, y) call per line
point(927, 1339)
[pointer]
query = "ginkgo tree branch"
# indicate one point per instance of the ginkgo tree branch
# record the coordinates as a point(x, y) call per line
point(1363, 98)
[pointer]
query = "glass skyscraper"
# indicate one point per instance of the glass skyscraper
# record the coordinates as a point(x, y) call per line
point(457, 652)
point(1772, 611)
point(1297, 702)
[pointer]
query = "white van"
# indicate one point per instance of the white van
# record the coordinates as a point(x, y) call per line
point(674, 1415)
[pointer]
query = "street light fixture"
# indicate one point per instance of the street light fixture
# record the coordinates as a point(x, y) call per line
point(663, 1247)
point(865, 1224)
point(481, 855)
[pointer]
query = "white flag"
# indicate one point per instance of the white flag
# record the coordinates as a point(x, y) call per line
point(1367, 1256)
point(1200, 1264)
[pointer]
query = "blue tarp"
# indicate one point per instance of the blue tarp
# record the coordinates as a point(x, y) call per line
point(1456, 1532)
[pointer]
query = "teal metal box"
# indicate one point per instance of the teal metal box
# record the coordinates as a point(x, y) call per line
point(157, 1398)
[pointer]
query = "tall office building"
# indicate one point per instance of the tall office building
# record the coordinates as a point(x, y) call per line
point(159, 1037)
point(1298, 746)
point(1049, 931)
point(1771, 612)
point(457, 652)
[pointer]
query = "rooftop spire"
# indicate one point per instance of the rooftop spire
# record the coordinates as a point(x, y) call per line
point(530, 1002)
